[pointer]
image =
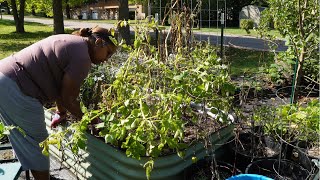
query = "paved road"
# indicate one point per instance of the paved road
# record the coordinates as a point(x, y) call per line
point(244, 42)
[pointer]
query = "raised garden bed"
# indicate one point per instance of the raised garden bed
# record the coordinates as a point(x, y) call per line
point(103, 161)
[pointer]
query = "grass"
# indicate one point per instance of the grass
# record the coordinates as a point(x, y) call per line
point(241, 61)
point(247, 62)
point(11, 42)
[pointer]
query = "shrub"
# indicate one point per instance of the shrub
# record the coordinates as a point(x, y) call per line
point(246, 24)
point(297, 121)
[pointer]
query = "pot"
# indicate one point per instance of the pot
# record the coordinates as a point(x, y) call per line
point(277, 169)
point(249, 147)
point(302, 155)
point(209, 168)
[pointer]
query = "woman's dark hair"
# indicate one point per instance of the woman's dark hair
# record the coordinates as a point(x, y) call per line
point(95, 33)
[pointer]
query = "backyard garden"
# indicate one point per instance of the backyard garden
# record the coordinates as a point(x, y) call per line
point(173, 107)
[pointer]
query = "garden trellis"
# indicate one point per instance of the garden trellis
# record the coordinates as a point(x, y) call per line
point(208, 16)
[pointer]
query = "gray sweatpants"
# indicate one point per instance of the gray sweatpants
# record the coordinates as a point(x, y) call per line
point(26, 112)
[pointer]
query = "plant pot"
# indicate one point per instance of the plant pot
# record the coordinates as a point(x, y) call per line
point(249, 177)
point(277, 170)
point(249, 147)
point(207, 168)
point(302, 155)
point(103, 161)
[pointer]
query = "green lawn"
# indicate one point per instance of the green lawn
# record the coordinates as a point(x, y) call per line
point(11, 42)
point(247, 62)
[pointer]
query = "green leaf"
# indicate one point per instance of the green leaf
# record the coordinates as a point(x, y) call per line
point(149, 167)
point(108, 138)
point(181, 154)
point(160, 146)
point(83, 108)
point(178, 77)
point(145, 108)
point(1, 127)
point(110, 117)
point(134, 124)
point(83, 128)
point(81, 144)
point(112, 31)
point(75, 149)
point(137, 43)
point(100, 125)
point(126, 103)
point(301, 115)
point(45, 151)
point(135, 113)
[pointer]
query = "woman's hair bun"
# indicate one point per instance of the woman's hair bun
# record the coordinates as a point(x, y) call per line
point(85, 32)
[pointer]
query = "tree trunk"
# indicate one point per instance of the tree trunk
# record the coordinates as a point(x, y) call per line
point(299, 70)
point(68, 10)
point(18, 16)
point(58, 26)
point(124, 15)
point(33, 12)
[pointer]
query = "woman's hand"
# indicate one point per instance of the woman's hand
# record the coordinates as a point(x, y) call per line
point(57, 118)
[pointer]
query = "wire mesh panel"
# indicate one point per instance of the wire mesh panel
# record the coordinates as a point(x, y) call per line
point(206, 15)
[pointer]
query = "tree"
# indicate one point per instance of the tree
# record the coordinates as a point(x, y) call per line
point(40, 6)
point(58, 26)
point(298, 22)
point(18, 15)
point(5, 4)
point(124, 29)
point(68, 4)
point(50, 8)
point(68, 9)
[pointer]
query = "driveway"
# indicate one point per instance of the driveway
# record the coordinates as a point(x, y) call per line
point(244, 42)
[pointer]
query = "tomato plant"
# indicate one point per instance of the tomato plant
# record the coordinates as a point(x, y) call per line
point(145, 110)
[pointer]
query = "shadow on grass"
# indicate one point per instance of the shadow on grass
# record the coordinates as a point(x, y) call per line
point(6, 22)
point(26, 35)
point(17, 41)
point(14, 47)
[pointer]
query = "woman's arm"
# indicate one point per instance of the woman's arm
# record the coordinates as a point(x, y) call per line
point(60, 107)
point(69, 93)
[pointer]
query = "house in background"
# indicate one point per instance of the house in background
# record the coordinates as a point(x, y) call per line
point(251, 12)
point(107, 10)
